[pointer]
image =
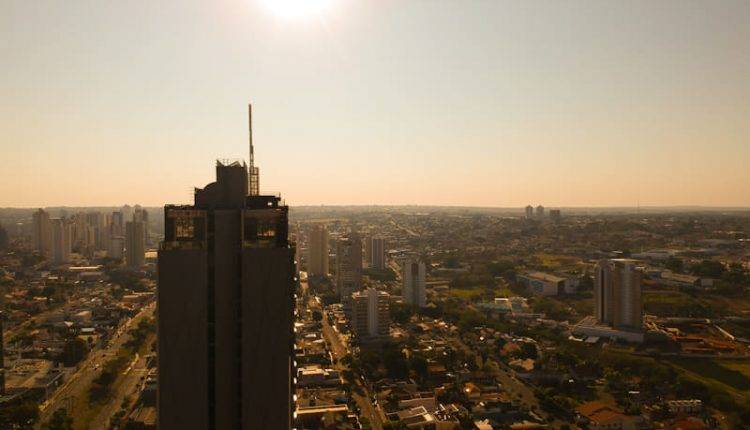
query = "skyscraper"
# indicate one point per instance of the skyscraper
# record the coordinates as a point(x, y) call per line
point(413, 279)
point(375, 251)
point(317, 251)
point(42, 232)
point(540, 212)
point(617, 294)
point(62, 238)
point(348, 267)
point(370, 314)
point(226, 310)
point(135, 246)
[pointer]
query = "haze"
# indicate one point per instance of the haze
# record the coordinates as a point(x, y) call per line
point(568, 103)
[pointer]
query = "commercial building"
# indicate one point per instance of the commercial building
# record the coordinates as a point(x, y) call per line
point(555, 215)
point(375, 252)
point(348, 267)
point(370, 314)
point(540, 211)
point(317, 251)
point(413, 282)
point(135, 246)
point(226, 309)
point(546, 284)
point(529, 212)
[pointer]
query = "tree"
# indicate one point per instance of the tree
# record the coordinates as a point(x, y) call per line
point(674, 264)
point(59, 421)
point(73, 352)
point(21, 415)
point(401, 312)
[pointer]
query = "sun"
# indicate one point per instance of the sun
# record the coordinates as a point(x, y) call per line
point(297, 9)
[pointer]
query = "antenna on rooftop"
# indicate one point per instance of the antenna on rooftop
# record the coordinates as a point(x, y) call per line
point(253, 174)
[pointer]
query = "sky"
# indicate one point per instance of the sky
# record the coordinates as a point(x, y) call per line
point(467, 103)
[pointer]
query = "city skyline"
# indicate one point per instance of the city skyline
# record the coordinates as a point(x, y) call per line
point(569, 105)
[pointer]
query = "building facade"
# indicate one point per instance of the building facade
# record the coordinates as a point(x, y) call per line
point(348, 267)
point(226, 310)
point(135, 244)
point(371, 314)
point(317, 251)
point(617, 294)
point(413, 282)
point(62, 238)
point(375, 252)
point(42, 232)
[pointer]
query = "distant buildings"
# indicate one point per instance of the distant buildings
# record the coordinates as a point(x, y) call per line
point(370, 314)
point(42, 232)
point(555, 215)
point(317, 251)
point(529, 212)
point(540, 212)
point(61, 240)
point(135, 246)
point(413, 280)
point(226, 310)
point(375, 252)
point(348, 267)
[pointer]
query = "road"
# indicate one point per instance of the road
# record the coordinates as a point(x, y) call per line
point(339, 351)
point(76, 387)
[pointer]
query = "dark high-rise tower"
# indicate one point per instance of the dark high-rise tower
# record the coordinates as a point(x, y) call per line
point(226, 309)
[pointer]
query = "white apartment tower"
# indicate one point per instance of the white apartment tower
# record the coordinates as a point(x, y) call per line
point(370, 314)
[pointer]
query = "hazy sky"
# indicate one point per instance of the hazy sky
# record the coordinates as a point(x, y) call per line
point(492, 103)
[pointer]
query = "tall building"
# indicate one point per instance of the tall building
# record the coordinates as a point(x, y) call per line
point(348, 267)
point(62, 238)
point(371, 314)
point(226, 310)
point(413, 279)
point(529, 212)
point(116, 247)
point(617, 294)
point(317, 250)
point(540, 211)
point(141, 215)
point(375, 252)
point(42, 232)
point(135, 246)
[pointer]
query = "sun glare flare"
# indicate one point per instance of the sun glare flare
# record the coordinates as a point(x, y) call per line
point(297, 9)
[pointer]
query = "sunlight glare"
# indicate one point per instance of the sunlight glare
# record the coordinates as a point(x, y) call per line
point(297, 9)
